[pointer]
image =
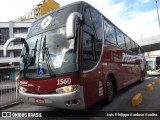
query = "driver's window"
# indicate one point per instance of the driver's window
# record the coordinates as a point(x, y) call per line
point(89, 60)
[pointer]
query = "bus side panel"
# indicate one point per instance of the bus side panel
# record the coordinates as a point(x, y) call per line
point(126, 71)
point(112, 63)
point(92, 85)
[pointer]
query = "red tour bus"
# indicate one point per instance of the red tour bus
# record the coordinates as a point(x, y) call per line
point(74, 56)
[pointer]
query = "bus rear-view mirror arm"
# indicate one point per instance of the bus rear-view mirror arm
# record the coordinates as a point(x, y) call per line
point(14, 39)
point(71, 24)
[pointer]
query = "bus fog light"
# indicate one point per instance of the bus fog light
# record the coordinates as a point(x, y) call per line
point(75, 101)
point(67, 89)
point(68, 103)
point(22, 89)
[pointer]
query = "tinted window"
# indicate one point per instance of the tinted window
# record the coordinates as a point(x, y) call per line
point(128, 43)
point(139, 50)
point(133, 46)
point(109, 33)
point(89, 59)
point(87, 16)
point(97, 23)
point(120, 39)
point(136, 48)
point(97, 26)
point(142, 50)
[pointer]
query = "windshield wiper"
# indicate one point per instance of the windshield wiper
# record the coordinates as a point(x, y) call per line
point(33, 53)
point(29, 59)
point(47, 57)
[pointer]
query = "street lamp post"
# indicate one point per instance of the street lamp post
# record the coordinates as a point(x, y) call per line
point(158, 14)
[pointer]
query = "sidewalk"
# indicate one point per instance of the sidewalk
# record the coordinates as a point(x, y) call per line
point(8, 94)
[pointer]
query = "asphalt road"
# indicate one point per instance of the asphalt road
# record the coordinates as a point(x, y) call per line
point(120, 104)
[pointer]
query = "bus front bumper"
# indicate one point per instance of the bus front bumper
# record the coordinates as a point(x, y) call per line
point(72, 100)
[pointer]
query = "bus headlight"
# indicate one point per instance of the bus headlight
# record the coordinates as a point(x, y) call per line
point(22, 89)
point(67, 89)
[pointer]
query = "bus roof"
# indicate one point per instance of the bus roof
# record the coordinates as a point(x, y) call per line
point(80, 3)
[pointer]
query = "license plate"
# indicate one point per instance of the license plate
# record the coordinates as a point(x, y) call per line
point(39, 100)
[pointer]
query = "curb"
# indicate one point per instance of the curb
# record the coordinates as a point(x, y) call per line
point(10, 105)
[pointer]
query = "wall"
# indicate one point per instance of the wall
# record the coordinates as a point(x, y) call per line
point(47, 6)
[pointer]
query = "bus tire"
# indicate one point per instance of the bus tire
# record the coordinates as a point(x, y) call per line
point(109, 91)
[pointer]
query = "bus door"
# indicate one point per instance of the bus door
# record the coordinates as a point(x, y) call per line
point(91, 67)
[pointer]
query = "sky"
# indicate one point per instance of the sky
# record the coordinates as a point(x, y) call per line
point(137, 18)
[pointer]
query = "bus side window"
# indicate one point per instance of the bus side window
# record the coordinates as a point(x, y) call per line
point(133, 46)
point(120, 39)
point(128, 43)
point(89, 60)
point(109, 33)
point(97, 26)
point(136, 48)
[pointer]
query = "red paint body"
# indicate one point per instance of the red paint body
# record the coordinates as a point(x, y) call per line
point(90, 80)
point(113, 61)
point(48, 85)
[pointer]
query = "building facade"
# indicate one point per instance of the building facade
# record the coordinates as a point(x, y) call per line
point(9, 65)
point(39, 10)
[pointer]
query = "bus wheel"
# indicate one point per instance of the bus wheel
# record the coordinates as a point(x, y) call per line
point(109, 91)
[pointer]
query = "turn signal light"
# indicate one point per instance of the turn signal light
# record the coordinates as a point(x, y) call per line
point(22, 89)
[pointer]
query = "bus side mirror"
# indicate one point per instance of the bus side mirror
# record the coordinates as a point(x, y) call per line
point(71, 24)
point(14, 39)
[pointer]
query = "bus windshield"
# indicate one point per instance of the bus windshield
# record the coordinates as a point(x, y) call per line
point(50, 54)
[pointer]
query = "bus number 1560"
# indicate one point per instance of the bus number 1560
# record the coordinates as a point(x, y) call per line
point(64, 81)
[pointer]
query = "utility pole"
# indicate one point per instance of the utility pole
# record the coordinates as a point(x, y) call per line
point(158, 14)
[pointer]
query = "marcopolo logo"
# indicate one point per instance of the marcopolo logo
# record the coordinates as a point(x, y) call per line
point(46, 22)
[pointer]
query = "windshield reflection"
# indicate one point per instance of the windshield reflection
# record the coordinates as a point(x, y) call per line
point(51, 54)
